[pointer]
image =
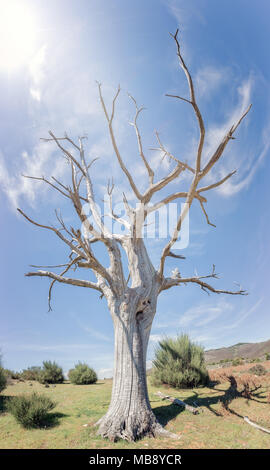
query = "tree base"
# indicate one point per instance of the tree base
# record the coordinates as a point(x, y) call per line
point(132, 428)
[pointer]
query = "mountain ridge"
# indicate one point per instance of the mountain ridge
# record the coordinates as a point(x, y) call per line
point(245, 350)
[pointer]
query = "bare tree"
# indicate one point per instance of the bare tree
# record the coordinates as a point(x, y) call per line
point(132, 302)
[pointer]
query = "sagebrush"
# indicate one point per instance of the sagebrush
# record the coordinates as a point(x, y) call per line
point(180, 363)
point(51, 373)
point(31, 411)
point(258, 369)
point(82, 374)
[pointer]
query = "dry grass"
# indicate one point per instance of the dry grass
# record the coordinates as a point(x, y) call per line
point(241, 368)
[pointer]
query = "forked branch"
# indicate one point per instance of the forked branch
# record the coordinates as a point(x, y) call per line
point(192, 101)
point(194, 192)
point(113, 140)
point(200, 280)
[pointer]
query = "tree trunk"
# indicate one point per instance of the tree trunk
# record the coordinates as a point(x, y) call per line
point(129, 415)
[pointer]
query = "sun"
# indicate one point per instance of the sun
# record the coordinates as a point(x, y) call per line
point(17, 34)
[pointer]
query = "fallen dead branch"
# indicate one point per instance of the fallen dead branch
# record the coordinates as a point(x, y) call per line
point(178, 402)
point(247, 420)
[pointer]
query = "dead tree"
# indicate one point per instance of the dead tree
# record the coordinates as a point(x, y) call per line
point(132, 302)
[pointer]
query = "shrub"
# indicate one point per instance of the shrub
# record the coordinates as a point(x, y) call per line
point(179, 363)
point(10, 374)
point(237, 361)
point(267, 356)
point(32, 373)
point(257, 370)
point(31, 411)
point(51, 373)
point(3, 379)
point(82, 374)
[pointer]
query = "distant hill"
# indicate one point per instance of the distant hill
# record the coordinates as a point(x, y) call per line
point(246, 350)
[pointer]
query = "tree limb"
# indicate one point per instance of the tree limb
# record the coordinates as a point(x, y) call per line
point(193, 191)
point(65, 280)
point(57, 232)
point(115, 147)
point(192, 101)
point(219, 151)
point(139, 140)
point(200, 280)
point(218, 183)
point(66, 152)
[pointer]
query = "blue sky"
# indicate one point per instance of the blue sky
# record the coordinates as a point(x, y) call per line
point(51, 85)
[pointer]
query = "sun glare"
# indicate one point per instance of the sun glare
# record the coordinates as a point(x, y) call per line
point(17, 34)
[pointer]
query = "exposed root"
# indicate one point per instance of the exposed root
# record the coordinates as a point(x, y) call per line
point(132, 428)
point(162, 432)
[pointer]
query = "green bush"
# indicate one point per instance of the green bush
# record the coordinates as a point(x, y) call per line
point(179, 363)
point(3, 379)
point(82, 374)
point(32, 373)
point(257, 370)
point(51, 373)
point(267, 356)
point(10, 374)
point(31, 411)
point(237, 361)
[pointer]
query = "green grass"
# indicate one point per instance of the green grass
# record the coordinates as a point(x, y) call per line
point(85, 404)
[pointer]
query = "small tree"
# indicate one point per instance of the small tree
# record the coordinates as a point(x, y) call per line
point(51, 373)
point(82, 374)
point(180, 363)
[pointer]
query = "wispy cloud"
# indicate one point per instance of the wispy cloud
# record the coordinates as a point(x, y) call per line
point(209, 79)
point(96, 334)
point(184, 12)
point(38, 163)
point(90, 330)
point(49, 348)
point(238, 156)
point(204, 314)
point(243, 315)
point(37, 72)
point(215, 133)
point(230, 188)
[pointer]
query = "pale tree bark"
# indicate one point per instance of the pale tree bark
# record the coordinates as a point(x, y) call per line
point(132, 302)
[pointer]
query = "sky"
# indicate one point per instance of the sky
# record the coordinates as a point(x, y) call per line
point(51, 55)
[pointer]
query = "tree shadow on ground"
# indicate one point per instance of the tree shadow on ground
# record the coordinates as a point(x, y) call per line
point(67, 382)
point(166, 413)
point(2, 403)
point(169, 412)
point(225, 397)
